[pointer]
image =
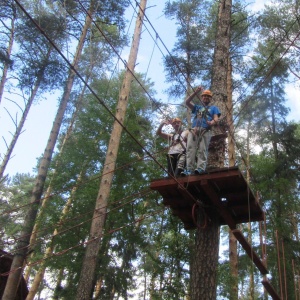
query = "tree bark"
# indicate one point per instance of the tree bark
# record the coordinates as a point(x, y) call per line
point(49, 189)
point(233, 253)
point(21, 249)
point(86, 281)
point(41, 271)
point(9, 50)
point(219, 78)
point(205, 263)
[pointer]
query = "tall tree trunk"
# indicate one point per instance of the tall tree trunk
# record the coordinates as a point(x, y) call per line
point(204, 267)
point(98, 288)
point(233, 253)
point(41, 271)
point(273, 124)
point(86, 281)
point(229, 117)
point(205, 263)
point(47, 195)
point(8, 52)
point(19, 127)
point(251, 272)
point(22, 245)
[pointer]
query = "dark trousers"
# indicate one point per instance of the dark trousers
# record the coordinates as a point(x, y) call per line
point(172, 163)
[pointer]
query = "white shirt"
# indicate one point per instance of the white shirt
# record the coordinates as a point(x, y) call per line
point(176, 146)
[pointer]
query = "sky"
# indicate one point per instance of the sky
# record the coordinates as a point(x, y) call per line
point(32, 141)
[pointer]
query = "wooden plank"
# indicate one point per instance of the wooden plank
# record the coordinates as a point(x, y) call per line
point(270, 289)
point(214, 174)
point(245, 218)
point(252, 254)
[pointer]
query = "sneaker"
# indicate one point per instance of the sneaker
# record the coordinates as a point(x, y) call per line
point(186, 173)
point(199, 171)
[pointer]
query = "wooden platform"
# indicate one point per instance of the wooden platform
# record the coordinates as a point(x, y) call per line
point(223, 191)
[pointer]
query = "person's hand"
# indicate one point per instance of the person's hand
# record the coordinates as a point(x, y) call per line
point(199, 89)
point(211, 123)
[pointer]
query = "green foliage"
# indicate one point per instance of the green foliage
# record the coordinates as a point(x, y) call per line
point(192, 54)
point(14, 198)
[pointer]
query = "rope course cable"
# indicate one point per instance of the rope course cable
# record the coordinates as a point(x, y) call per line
point(146, 191)
point(51, 237)
point(155, 32)
point(80, 184)
point(112, 203)
point(88, 86)
point(84, 243)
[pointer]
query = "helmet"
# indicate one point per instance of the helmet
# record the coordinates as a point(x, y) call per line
point(207, 92)
point(175, 120)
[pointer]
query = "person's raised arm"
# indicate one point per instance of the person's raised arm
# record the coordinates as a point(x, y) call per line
point(188, 100)
point(159, 130)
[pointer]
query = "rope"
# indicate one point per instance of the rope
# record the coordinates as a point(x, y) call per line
point(150, 58)
point(195, 214)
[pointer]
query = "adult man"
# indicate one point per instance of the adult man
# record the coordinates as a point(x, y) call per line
point(200, 134)
point(177, 149)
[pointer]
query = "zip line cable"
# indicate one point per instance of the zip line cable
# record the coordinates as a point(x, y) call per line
point(67, 220)
point(97, 177)
point(151, 56)
point(59, 233)
point(151, 24)
point(78, 185)
point(160, 39)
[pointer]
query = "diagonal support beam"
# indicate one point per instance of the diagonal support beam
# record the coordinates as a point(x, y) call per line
point(270, 289)
point(214, 197)
point(252, 254)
